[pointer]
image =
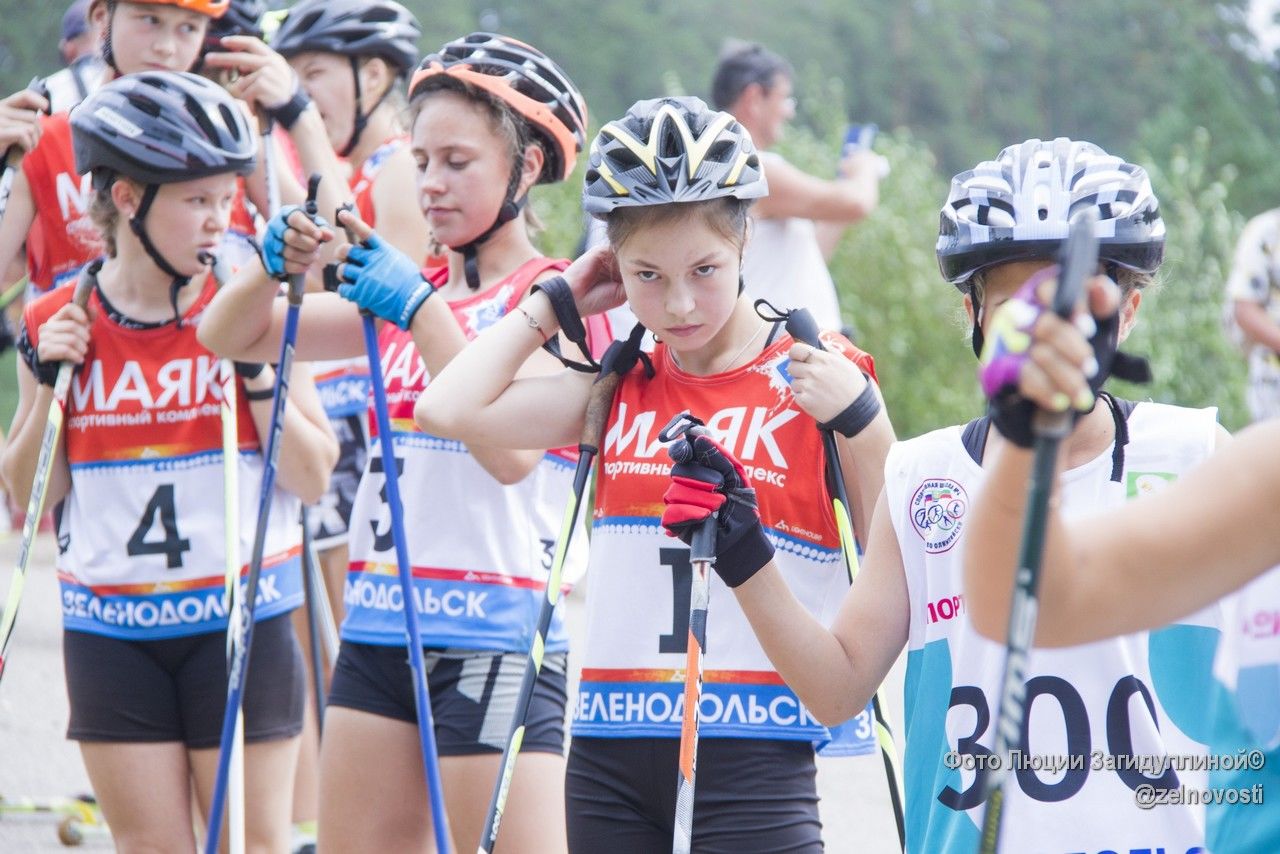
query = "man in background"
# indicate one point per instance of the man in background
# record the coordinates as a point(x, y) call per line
point(798, 225)
point(1253, 310)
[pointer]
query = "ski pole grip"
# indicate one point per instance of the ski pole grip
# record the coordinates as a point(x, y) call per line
point(84, 284)
point(598, 406)
point(297, 281)
point(1077, 261)
point(313, 187)
point(331, 280)
point(801, 326)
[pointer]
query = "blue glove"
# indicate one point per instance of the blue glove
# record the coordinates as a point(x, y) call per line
point(383, 281)
point(273, 240)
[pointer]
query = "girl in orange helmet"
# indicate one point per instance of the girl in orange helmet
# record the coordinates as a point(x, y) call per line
point(493, 118)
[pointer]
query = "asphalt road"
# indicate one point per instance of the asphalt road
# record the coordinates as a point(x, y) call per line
point(37, 761)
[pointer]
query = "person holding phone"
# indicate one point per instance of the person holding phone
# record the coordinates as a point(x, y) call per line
point(798, 225)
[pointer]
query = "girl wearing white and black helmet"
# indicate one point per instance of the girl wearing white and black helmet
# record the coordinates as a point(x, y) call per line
point(140, 475)
point(492, 118)
point(1102, 705)
point(1150, 562)
point(673, 181)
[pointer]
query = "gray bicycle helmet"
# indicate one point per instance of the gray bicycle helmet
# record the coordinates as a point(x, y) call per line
point(1019, 206)
point(353, 28)
point(669, 150)
point(159, 127)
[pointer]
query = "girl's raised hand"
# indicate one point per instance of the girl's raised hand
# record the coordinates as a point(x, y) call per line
point(20, 119)
point(293, 241)
point(823, 383)
point(1044, 358)
point(595, 281)
point(261, 76)
point(378, 277)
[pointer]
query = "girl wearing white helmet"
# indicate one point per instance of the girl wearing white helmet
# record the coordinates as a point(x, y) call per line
point(493, 117)
point(1147, 564)
point(673, 181)
point(1102, 717)
point(142, 525)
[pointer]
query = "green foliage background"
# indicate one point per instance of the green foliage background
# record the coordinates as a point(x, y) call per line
point(1177, 85)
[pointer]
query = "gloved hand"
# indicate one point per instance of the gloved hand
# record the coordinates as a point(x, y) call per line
point(383, 280)
point(273, 242)
point(706, 479)
point(1017, 326)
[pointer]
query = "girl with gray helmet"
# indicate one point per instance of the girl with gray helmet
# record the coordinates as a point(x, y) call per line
point(673, 181)
point(1101, 719)
point(1147, 564)
point(142, 525)
point(492, 118)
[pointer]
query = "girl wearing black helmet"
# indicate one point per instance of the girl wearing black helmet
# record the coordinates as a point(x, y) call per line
point(673, 181)
point(493, 117)
point(1096, 706)
point(142, 527)
point(331, 79)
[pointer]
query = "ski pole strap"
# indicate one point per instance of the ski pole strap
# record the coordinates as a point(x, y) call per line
point(854, 418)
point(623, 354)
point(562, 303)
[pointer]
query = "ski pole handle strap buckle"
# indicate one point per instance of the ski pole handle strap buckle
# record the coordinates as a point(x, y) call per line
point(562, 303)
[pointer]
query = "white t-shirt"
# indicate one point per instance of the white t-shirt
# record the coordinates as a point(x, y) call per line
point(1255, 277)
point(783, 263)
point(1106, 706)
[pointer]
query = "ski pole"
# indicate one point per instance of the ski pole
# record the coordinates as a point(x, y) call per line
point(801, 326)
point(701, 557)
point(314, 592)
point(1078, 260)
point(328, 626)
point(271, 455)
point(10, 296)
point(421, 694)
point(598, 406)
point(269, 174)
point(40, 481)
point(231, 567)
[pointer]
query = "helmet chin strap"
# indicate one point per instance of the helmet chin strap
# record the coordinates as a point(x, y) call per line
point(138, 227)
point(510, 210)
point(361, 120)
point(108, 55)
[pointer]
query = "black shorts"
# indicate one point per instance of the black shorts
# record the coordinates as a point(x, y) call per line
point(330, 517)
point(175, 689)
point(753, 795)
point(473, 695)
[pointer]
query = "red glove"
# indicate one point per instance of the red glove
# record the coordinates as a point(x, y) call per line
point(707, 480)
